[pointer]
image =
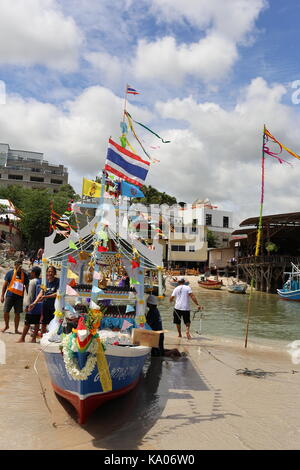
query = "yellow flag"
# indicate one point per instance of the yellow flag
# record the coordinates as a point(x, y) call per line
point(71, 275)
point(90, 188)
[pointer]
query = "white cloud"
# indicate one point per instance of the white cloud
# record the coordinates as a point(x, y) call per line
point(217, 154)
point(75, 135)
point(209, 59)
point(226, 25)
point(36, 32)
point(222, 27)
point(233, 19)
point(227, 166)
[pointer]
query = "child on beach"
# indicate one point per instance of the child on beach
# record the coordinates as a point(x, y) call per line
point(48, 298)
point(33, 317)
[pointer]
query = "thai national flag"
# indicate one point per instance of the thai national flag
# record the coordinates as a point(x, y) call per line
point(131, 91)
point(125, 164)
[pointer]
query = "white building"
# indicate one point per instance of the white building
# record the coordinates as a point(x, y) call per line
point(183, 231)
point(187, 244)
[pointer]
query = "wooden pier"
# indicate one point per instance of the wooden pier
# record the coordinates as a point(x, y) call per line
point(267, 271)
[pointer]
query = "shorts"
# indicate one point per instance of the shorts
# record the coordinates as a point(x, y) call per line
point(32, 319)
point(178, 314)
point(11, 301)
point(47, 315)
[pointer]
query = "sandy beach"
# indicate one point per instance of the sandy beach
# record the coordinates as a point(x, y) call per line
point(193, 403)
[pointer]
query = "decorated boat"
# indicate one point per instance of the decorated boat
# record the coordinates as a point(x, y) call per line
point(237, 288)
point(86, 366)
point(210, 284)
point(291, 287)
point(98, 342)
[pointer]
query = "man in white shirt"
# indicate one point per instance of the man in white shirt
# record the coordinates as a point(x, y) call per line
point(182, 295)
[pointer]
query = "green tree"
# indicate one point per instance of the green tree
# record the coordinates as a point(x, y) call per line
point(271, 247)
point(153, 196)
point(67, 191)
point(212, 240)
point(35, 207)
point(34, 223)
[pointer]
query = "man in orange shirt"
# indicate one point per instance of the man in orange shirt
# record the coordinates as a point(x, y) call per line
point(15, 283)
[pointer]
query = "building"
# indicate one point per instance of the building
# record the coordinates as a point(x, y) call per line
point(29, 169)
point(192, 222)
point(183, 231)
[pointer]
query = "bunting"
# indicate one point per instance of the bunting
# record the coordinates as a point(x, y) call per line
point(61, 222)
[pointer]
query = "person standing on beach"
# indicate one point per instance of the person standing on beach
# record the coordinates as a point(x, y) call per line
point(33, 317)
point(182, 295)
point(15, 282)
point(153, 319)
point(48, 298)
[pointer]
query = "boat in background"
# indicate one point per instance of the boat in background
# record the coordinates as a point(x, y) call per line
point(291, 288)
point(237, 288)
point(209, 284)
point(174, 282)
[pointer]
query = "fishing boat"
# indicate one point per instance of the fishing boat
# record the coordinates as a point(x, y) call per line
point(84, 369)
point(291, 287)
point(237, 288)
point(125, 365)
point(98, 341)
point(209, 284)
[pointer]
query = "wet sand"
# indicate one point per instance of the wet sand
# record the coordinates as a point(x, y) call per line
point(195, 402)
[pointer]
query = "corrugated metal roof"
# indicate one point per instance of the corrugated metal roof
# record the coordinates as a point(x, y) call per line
point(292, 218)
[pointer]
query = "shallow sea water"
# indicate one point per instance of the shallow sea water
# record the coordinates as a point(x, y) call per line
point(225, 314)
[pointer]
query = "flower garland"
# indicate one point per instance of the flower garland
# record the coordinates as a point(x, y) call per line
point(69, 347)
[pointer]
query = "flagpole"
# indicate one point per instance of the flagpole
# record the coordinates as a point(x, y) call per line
point(99, 214)
point(125, 102)
point(259, 229)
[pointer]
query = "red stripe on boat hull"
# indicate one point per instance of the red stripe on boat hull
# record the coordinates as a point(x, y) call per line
point(86, 406)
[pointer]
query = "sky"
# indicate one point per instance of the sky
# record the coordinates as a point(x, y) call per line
point(210, 74)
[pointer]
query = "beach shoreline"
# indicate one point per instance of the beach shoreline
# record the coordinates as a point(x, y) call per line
point(196, 402)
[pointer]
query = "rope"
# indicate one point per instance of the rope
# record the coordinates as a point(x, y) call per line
point(43, 390)
point(257, 373)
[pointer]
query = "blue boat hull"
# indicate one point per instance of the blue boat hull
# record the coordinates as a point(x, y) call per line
point(125, 366)
point(289, 294)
